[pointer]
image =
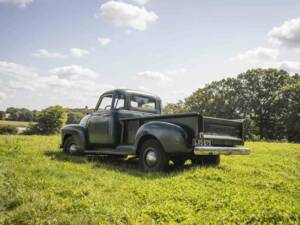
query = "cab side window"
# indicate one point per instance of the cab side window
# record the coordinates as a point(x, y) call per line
point(120, 102)
point(142, 103)
point(106, 102)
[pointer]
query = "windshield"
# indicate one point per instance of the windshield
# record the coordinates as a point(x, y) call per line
point(106, 102)
point(142, 103)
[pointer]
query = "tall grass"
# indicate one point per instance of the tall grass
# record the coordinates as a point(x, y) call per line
point(41, 185)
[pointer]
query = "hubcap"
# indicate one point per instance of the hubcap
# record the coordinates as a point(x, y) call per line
point(72, 148)
point(151, 158)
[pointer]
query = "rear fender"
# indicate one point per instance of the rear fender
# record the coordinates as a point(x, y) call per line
point(172, 137)
point(78, 134)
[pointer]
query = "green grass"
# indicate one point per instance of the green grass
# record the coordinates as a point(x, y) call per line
point(14, 123)
point(41, 185)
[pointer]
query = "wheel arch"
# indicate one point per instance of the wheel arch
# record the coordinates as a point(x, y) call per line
point(172, 137)
point(65, 137)
point(77, 132)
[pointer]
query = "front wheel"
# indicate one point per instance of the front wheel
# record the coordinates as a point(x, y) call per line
point(70, 146)
point(153, 157)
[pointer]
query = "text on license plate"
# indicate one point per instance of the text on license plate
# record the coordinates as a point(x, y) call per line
point(204, 142)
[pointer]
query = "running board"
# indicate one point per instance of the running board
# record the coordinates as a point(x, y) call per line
point(119, 150)
point(214, 150)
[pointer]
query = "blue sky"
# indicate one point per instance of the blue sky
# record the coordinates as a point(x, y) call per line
point(68, 52)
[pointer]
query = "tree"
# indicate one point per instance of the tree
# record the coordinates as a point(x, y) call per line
point(290, 95)
point(20, 114)
point(172, 108)
point(50, 120)
point(74, 117)
point(218, 99)
point(2, 114)
point(259, 90)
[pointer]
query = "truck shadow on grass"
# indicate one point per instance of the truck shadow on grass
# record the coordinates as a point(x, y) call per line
point(130, 165)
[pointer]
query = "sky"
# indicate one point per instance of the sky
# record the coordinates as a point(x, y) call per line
point(68, 52)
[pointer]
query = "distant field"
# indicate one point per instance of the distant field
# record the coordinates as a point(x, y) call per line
point(41, 185)
point(14, 123)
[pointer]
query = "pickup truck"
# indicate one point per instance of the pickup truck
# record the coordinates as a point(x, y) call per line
point(130, 123)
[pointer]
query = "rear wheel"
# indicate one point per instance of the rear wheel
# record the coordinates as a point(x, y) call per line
point(206, 160)
point(70, 146)
point(152, 157)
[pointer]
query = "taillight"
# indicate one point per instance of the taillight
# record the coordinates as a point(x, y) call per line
point(201, 135)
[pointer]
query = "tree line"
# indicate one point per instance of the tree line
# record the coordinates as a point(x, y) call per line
point(23, 114)
point(268, 100)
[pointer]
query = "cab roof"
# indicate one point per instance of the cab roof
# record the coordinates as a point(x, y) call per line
point(131, 91)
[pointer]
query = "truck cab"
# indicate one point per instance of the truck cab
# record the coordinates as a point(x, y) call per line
point(103, 125)
point(128, 122)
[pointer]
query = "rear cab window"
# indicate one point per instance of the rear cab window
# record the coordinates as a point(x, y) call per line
point(143, 104)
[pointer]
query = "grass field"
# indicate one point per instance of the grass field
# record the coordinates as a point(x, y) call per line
point(14, 123)
point(41, 185)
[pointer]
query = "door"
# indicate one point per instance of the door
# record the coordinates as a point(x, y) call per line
point(101, 125)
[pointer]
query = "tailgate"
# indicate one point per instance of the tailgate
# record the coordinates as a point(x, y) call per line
point(222, 132)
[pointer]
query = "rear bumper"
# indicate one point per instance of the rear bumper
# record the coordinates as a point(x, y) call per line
point(214, 150)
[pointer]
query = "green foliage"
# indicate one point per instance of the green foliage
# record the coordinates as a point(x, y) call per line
point(74, 116)
point(50, 120)
point(251, 129)
point(2, 114)
point(8, 130)
point(41, 185)
point(21, 114)
point(172, 108)
point(290, 95)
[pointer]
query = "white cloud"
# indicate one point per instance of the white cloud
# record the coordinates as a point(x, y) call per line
point(152, 75)
point(78, 52)
point(290, 66)
point(16, 76)
point(104, 41)
point(43, 53)
point(287, 34)
point(9, 69)
point(73, 72)
point(72, 85)
point(257, 55)
point(122, 14)
point(21, 3)
point(141, 2)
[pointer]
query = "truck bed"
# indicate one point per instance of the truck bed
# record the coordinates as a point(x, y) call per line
point(202, 130)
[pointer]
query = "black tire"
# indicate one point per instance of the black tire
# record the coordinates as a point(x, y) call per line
point(67, 147)
point(151, 149)
point(206, 160)
point(178, 161)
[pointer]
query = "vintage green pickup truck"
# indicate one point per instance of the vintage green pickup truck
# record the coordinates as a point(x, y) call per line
point(127, 122)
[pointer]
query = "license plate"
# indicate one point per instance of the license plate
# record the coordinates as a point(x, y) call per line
point(204, 142)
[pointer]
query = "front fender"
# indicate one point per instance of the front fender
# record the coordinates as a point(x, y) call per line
point(172, 137)
point(77, 132)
